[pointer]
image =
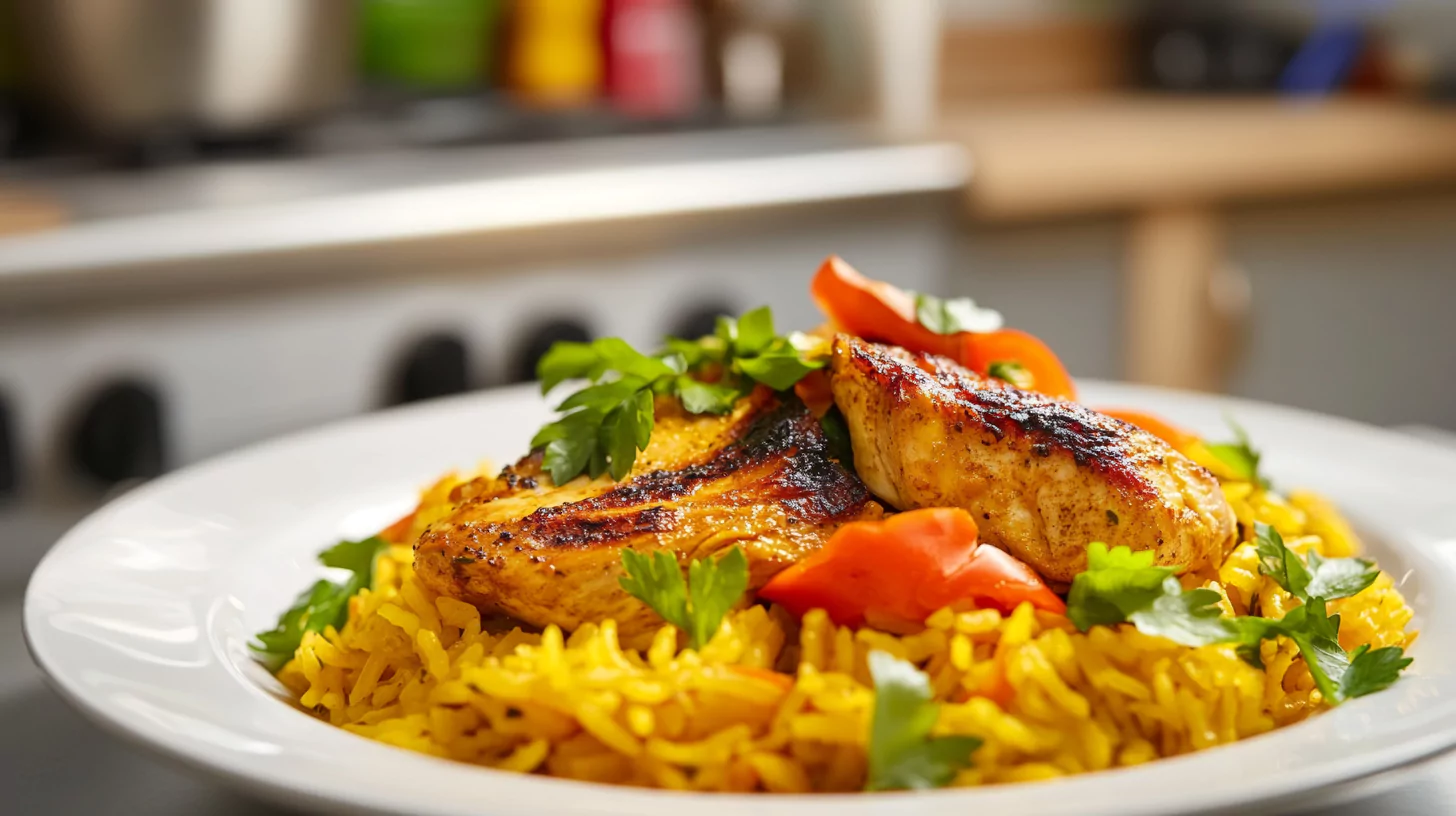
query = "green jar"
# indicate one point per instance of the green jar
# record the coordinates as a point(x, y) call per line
point(433, 45)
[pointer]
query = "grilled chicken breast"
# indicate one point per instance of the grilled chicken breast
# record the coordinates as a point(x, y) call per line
point(761, 477)
point(1044, 478)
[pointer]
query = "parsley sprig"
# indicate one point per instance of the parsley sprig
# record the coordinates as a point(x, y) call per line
point(1239, 456)
point(697, 605)
point(902, 754)
point(953, 315)
point(324, 604)
point(604, 425)
point(1122, 586)
point(1337, 674)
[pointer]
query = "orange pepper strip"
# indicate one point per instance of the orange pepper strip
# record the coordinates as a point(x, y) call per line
point(998, 689)
point(397, 532)
point(878, 311)
point(1049, 376)
point(1179, 438)
point(874, 310)
point(900, 570)
point(815, 392)
point(782, 681)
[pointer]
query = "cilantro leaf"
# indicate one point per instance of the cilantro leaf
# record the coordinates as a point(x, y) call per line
point(1328, 578)
point(1117, 583)
point(1278, 561)
point(356, 556)
point(778, 367)
point(1012, 372)
point(606, 423)
point(704, 398)
point(1317, 633)
point(1334, 578)
point(1239, 456)
point(1120, 585)
point(603, 395)
point(755, 332)
point(713, 588)
point(321, 605)
point(695, 606)
point(1372, 670)
point(620, 434)
point(617, 355)
point(1188, 618)
point(571, 444)
point(902, 754)
point(565, 360)
point(657, 581)
point(952, 315)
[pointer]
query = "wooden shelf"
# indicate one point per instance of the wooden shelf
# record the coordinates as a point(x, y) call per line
point(25, 211)
point(1098, 154)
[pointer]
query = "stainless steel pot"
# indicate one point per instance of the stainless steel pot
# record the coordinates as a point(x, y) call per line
point(223, 67)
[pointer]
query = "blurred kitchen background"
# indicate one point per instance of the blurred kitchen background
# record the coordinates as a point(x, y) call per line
point(224, 220)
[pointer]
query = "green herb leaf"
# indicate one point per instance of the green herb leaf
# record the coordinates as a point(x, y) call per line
point(1117, 583)
point(952, 315)
point(355, 556)
point(566, 360)
point(836, 433)
point(571, 444)
point(778, 368)
point(725, 330)
point(902, 754)
point(694, 353)
point(606, 423)
point(755, 332)
point(696, 606)
point(1372, 670)
point(1278, 561)
point(1012, 372)
point(323, 604)
point(1239, 455)
point(1186, 617)
point(643, 405)
point(1316, 633)
point(604, 396)
point(713, 588)
point(1339, 676)
point(1123, 586)
point(657, 581)
point(1328, 578)
point(619, 439)
point(1120, 585)
point(1334, 578)
point(705, 398)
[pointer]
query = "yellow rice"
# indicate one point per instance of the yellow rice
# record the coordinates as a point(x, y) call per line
point(422, 672)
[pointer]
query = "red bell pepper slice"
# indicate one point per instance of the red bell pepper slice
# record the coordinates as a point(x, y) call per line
point(878, 311)
point(895, 573)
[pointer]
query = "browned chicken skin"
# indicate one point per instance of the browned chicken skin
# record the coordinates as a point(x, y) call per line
point(1043, 477)
point(760, 477)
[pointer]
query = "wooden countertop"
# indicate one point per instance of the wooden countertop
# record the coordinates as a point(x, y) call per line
point(1097, 154)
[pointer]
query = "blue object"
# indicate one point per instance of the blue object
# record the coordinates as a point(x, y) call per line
point(1321, 64)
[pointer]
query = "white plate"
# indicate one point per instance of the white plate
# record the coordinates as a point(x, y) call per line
point(141, 616)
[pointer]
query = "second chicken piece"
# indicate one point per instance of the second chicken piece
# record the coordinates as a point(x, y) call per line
point(1043, 478)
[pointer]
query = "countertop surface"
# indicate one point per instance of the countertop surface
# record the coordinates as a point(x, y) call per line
point(189, 215)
